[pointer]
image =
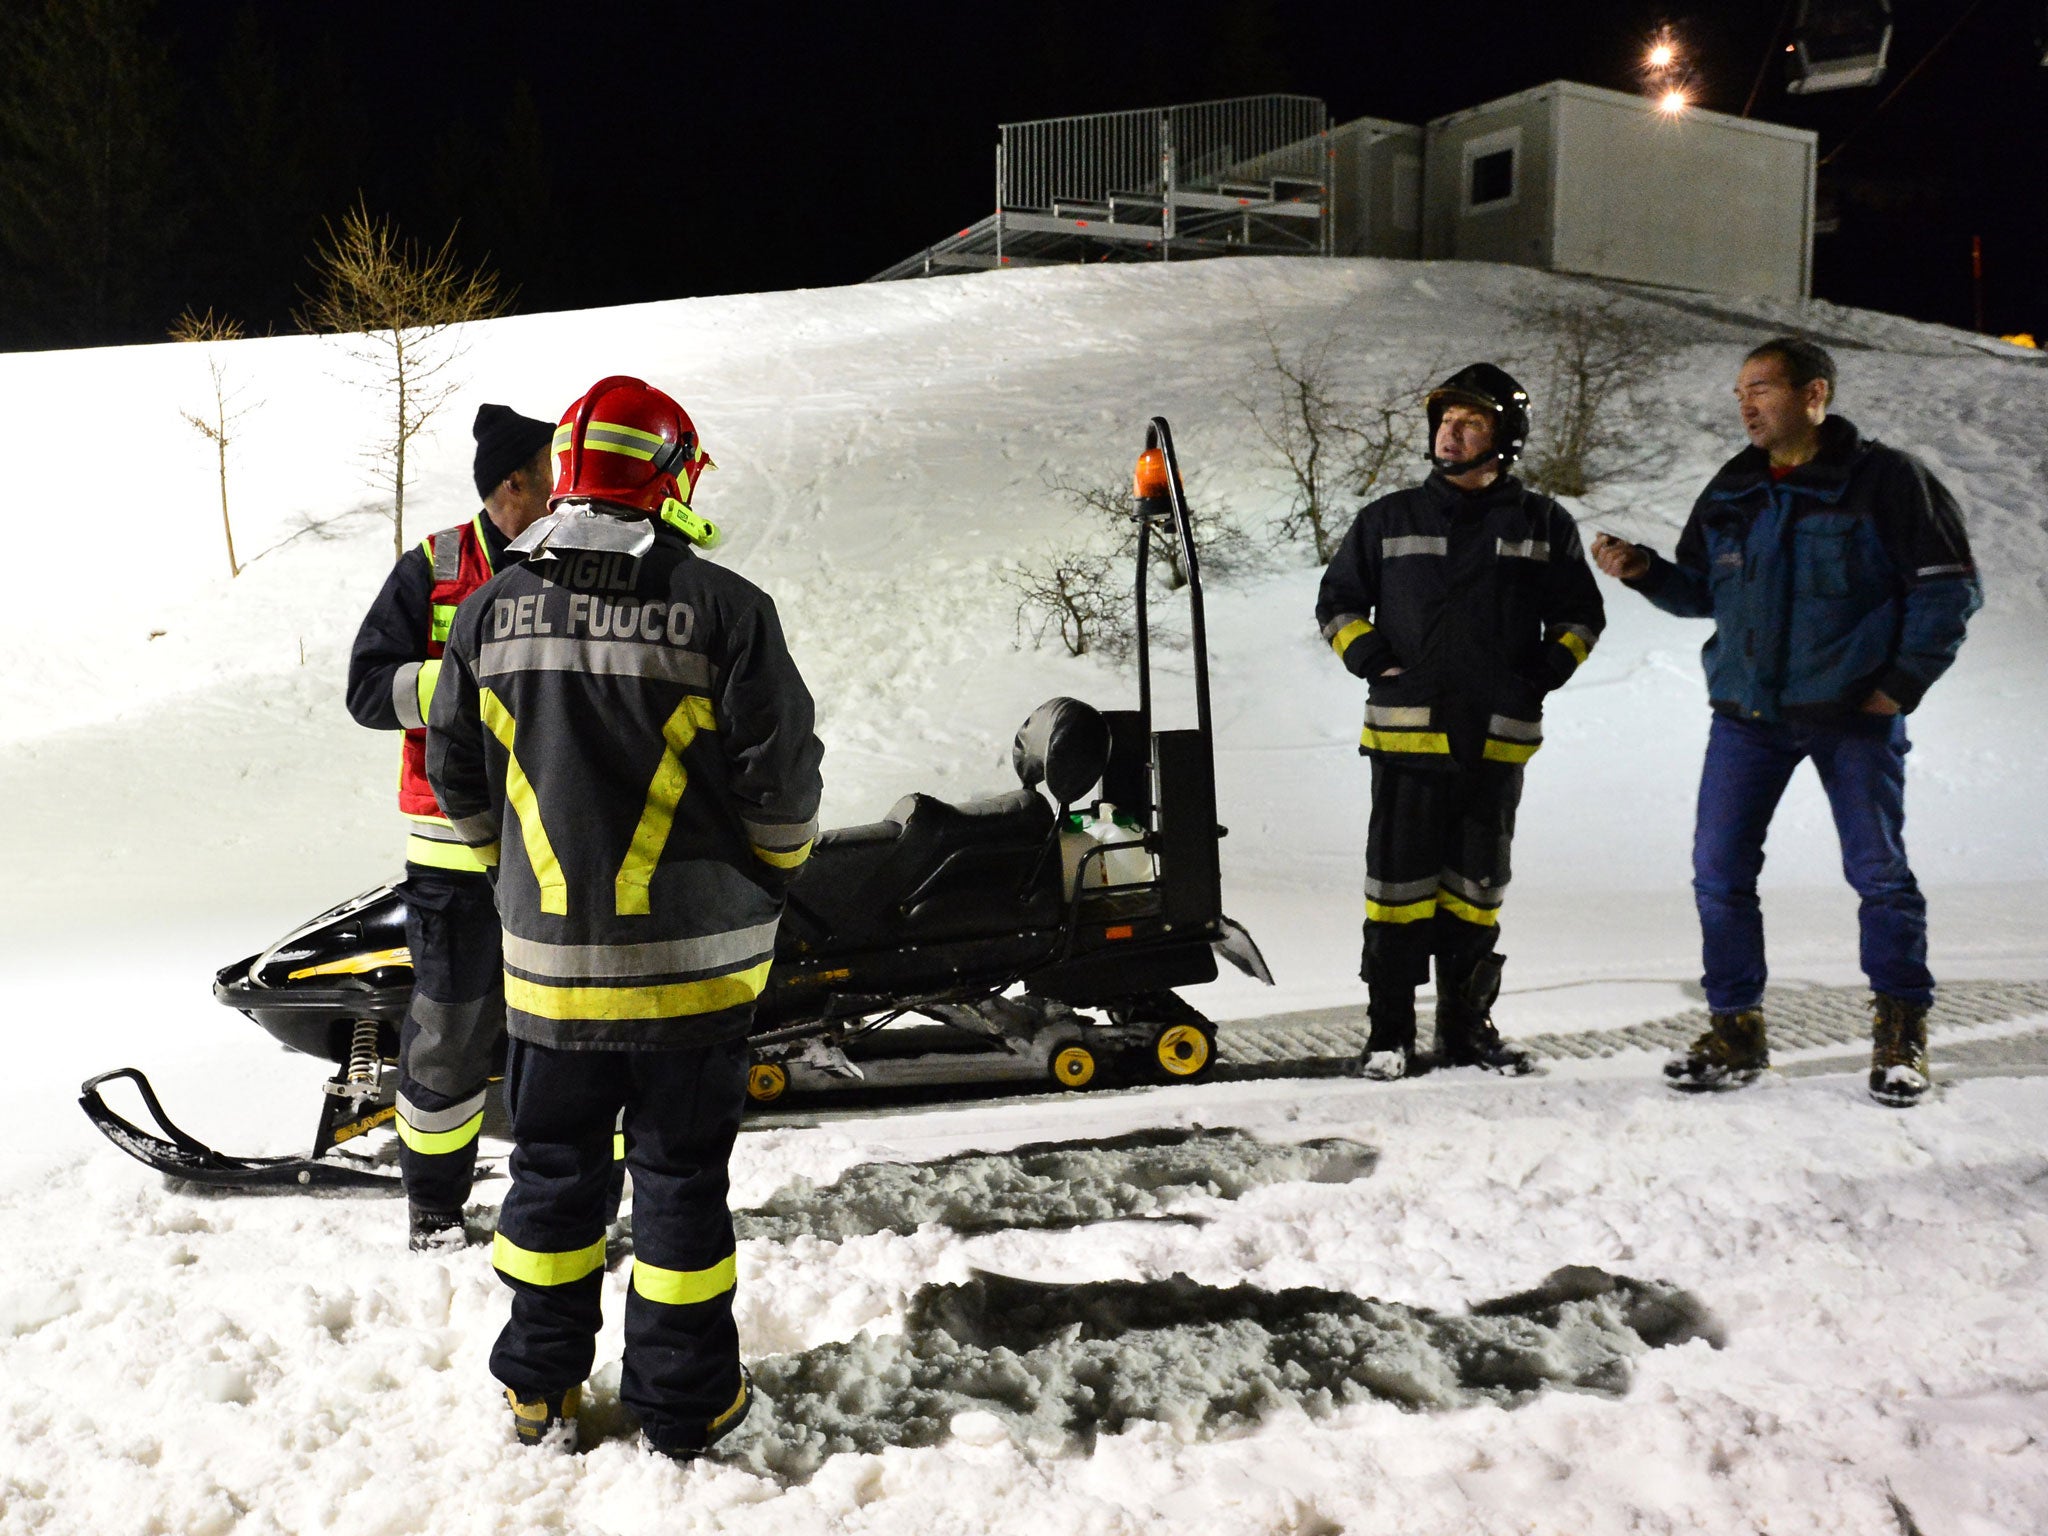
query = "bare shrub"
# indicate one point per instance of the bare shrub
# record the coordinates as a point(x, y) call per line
point(1083, 595)
point(1596, 418)
point(217, 424)
point(1220, 546)
point(395, 300)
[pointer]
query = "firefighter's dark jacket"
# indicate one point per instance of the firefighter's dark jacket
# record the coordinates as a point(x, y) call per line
point(1852, 573)
point(631, 744)
point(1485, 602)
point(394, 632)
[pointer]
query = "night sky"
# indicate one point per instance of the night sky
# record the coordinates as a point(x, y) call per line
point(605, 153)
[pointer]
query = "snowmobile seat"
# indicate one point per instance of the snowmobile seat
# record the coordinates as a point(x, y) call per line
point(934, 870)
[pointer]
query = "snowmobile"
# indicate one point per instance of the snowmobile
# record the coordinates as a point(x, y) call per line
point(1022, 938)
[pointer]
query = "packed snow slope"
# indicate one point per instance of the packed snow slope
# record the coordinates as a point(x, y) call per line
point(1300, 1306)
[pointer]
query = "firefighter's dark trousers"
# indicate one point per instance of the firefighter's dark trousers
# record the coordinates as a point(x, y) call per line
point(453, 1037)
point(1436, 873)
point(682, 1110)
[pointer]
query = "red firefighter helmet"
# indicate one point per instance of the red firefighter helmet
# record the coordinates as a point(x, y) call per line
point(627, 444)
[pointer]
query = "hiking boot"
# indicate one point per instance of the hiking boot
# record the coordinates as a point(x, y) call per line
point(548, 1421)
point(689, 1447)
point(1899, 1076)
point(1464, 1042)
point(430, 1231)
point(1731, 1054)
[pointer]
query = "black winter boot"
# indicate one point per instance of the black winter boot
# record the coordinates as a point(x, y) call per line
point(1465, 1036)
point(430, 1231)
point(1899, 1075)
point(1389, 1052)
point(1731, 1054)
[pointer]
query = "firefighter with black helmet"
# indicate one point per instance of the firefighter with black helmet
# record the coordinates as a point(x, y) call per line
point(452, 1038)
point(1461, 603)
point(621, 732)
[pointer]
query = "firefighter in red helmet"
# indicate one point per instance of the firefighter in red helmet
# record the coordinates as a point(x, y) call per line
point(621, 733)
point(451, 1041)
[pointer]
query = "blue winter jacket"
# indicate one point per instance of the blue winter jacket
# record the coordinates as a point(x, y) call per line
point(1852, 573)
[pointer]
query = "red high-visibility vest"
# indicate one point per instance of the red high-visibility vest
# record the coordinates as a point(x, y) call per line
point(461, 563)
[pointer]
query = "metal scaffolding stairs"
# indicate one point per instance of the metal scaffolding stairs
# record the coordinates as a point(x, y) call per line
point(1248, 176)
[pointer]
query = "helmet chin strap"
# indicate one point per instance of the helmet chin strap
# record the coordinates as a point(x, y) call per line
point(1455, 467)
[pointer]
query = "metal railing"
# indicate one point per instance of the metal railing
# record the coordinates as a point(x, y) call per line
point(1154, 152)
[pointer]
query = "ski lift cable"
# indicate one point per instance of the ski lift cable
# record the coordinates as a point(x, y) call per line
point(1912, 74)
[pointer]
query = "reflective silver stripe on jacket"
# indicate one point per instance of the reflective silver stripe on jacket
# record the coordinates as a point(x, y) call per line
point(405, 696)
point(1524, 549)
point(603, 658)
point(1475, 891)
point(447, 554)
point(1342, 622)
point(1395, 893)
point(1587, 637)
point(475, 830)
point(1397, 716)
point(1514, 730)
point(434, 1121)
point(1413, 544)
point(779, 836)
point(441, 831)
point(1940, 570)
point(669, 957)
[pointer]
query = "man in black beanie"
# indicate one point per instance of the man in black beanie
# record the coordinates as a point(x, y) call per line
point(452, 1038)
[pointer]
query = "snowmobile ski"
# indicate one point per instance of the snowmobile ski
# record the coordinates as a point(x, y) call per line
point(180, 1156)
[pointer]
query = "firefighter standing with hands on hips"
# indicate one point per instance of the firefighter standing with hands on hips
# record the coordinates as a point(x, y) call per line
point(620, 728)
point(452, 1039)
point(1461, 602)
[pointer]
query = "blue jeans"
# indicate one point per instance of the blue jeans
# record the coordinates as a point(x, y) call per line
point(1862, 766)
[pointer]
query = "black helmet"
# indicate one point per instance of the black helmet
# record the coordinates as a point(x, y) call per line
point(1486, 388)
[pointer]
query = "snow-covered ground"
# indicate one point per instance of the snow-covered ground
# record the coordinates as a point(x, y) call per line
point(1785, 1311)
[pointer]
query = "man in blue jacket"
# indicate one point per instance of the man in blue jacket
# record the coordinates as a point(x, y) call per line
point(1839, 580)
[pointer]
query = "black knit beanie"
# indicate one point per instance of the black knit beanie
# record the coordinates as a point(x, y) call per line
point(505, 441)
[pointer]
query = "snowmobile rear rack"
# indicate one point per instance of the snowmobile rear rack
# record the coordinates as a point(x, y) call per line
point(182, 1156)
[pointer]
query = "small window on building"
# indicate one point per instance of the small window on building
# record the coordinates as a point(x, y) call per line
point(1493, 178)
point(1493, 169)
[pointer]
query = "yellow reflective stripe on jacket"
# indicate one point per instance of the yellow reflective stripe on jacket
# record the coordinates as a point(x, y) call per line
point(669, 1000)
point(1486, 917)
point(1340, 642)
point(508, 1258)
point(1407, 912)
point(790, 859)
point(440, 1141)
point(1571, 642)
point(1498, 751)
point(429, 674)
point(658, 815)
point(681, 1287)
point(540, 853)
point(456, 856)
point(1405, 741)
point(444, 620)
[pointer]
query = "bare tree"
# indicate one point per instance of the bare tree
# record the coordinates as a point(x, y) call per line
point(1331, 449)
point(396, 300)
point(1219, 546)
point(1596, 419)
point(1081, 593)
point(217, 426)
